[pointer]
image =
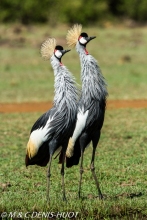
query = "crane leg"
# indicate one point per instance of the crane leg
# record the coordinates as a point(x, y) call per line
point(81, 172)
point(83, 144)
point(62, 173)
point(92, 167)
point(48, 178)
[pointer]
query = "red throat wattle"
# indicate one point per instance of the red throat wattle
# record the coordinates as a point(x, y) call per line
point(86, 52)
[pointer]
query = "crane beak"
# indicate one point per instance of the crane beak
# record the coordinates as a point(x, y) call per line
point(65, 51)
point(90, 38)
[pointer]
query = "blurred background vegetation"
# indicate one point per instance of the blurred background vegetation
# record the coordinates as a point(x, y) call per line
point(120, 45)
point(85, 12)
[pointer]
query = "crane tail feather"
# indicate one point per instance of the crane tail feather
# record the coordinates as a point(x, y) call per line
point(74, 159)
point(31, 149)
point(41, 158)
point(70, 148)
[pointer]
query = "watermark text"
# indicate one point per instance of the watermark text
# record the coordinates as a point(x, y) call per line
point(39, 215)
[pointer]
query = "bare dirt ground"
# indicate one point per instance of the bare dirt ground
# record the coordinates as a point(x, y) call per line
point(44, 106)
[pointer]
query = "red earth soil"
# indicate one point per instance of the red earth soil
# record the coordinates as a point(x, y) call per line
point(44, 106)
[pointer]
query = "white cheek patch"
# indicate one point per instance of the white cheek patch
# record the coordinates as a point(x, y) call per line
point(58, 53)
point(83, 40)
point(80, 124)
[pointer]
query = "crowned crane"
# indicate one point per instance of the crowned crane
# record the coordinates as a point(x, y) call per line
point(54, 128)
point(91, 106)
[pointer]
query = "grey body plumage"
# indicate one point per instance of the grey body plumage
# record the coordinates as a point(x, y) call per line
point(93, 82)
point(63, 113)
point(65, 102)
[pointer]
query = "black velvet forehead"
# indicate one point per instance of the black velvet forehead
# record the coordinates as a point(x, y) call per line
point(83, 34)
point(58, 47)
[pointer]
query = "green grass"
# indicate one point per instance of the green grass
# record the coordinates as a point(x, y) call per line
point(121, 157)
point(120, 165)
point(24, 76)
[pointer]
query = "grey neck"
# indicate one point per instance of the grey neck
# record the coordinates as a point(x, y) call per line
point(65, 87)
point(93, 83)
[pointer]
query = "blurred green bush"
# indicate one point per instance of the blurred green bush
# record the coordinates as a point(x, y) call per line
point(54, 11)
point(134, 9)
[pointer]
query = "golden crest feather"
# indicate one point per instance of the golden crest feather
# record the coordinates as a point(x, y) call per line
point(73, 35)
point(47, 48)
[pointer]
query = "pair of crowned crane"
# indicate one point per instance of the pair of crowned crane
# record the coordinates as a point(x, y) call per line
point(73, 121)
